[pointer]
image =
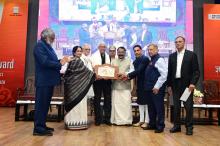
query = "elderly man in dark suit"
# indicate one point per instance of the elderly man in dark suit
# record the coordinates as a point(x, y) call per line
point(47, 75)
point(183, 72)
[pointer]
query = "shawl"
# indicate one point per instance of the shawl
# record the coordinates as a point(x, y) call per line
point(77, 81)
point(97, 60)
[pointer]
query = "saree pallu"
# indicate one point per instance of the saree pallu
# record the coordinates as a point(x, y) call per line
point(77, 81)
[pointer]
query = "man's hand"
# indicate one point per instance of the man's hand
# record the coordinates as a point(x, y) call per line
point(124, 78)
point(64, 60)
point(98, 78)
point(191, 87)
point(155, 91)
point(169, 90)
point(119, 75)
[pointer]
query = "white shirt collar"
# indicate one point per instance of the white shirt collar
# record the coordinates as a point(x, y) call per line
point(182, 51)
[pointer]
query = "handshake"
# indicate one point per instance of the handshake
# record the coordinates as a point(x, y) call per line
point(122, 77)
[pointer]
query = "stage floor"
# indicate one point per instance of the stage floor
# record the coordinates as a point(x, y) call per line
point(20, 134)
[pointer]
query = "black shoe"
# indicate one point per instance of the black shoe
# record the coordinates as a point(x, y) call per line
point(189, 131)
point(97, 123)
point(45, 133)
point(149, 127)
point(108, 123)
point(158, 131)
point(175, 129)
point(50, 129)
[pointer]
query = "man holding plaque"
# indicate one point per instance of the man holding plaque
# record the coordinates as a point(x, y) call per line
point(121, 90)
point(102, 87)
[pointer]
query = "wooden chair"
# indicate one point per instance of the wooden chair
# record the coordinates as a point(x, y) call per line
point(26, 98)
point(212, 97)
point(211, 92)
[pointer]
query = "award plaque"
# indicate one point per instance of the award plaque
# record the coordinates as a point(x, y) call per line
point(106, 71)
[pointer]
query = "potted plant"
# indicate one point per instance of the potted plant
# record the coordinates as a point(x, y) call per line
point(197, 97)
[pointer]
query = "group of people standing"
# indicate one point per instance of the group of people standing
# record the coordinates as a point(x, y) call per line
point(151, 75)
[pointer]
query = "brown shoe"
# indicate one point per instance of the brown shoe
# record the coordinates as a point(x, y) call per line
point(144, 125)
point(138, 124)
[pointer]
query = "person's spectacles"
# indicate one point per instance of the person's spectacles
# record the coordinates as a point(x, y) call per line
point(87, 49)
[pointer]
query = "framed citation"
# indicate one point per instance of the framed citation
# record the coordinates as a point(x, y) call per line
point(106, 71)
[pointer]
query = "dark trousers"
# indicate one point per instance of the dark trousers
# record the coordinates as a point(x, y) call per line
point(42, 102)
point(156, 109)
point(178, 90)
point(102, 87)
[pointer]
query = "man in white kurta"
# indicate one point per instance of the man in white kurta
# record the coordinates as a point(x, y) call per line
point(121, 90)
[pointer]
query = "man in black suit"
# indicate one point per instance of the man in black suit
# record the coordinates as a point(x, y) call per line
point(183, 72)
point(102, 87)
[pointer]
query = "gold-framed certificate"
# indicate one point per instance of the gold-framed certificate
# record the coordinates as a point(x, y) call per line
point(106, 71)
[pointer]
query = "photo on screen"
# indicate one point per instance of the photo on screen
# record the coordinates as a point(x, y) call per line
point(119, 23)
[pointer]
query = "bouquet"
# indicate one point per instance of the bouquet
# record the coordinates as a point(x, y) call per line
point(197, 96)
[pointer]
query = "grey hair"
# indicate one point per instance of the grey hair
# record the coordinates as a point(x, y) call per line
point(102, 43)
point(154, 45)
point(47, 32)
point(86, 45)
point(112, 48)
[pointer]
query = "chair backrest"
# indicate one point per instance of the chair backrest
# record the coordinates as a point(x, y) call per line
point(211, 90)
point(29, 85)
point(59, 89)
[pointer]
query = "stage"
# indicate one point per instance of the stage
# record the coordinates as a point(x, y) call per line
point(20, 134)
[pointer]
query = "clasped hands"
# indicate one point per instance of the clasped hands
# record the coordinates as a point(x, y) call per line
point(122, 77)
point(64, 60)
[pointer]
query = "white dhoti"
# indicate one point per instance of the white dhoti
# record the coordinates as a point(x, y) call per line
point(121, 107)
point(77, 118)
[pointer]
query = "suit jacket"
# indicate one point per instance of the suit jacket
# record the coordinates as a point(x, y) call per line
point(84, 37)
point(47, 65)
point(147, 38)
point(189, 70)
